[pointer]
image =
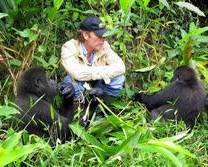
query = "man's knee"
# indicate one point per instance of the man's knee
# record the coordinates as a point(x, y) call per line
point(117, 82)
point(115, 86)
point(78, 86)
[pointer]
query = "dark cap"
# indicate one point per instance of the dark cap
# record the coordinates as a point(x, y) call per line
point(93, 24)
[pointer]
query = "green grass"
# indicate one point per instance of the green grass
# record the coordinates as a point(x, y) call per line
point(128, 140)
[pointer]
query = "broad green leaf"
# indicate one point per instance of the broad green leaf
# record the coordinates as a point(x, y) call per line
point(165, 3)
point(100, 149)
point(116, 118)
point(173, 53)
point(190, 7)
point(11, 141)
point(114, 121)
point(126, 5)
point(79, 131)
point(129, 144)
point(146, 2)
point(192, 27)
point(15, 62)
point(119, 104)
point(203, 70)
point(194, 30)
point(146, 69)
point(11, 155)
point(100, 126)
point(199, 31)
point(53, 60)
point(165, 152)
point(172, 147)
point(183, 33)
point(162, 60)
point(8, 111)
point(111, 32)
point(57, 3)
point(177, 137)
point(11, 150)
point(42, 61)
point(18, 1)
point(3, 15)
point(27, 33)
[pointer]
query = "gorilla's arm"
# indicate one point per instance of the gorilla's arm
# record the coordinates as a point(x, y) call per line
point(166, 111)
point(41, 113)
point(160, 98)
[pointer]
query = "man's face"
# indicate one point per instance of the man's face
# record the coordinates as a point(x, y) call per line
point(94, 41)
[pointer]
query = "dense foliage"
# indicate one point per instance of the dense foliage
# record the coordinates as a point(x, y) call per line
point(152, 37)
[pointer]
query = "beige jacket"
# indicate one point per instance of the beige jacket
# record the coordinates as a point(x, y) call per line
point(106, 64)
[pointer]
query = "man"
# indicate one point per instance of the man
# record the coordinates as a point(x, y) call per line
point(90, 58)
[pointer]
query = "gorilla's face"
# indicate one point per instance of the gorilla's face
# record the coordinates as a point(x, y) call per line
point(36, 82)
point(185, 75)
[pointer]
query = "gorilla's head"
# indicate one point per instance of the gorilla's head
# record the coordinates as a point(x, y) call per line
point(185, 74)
point(35, 81)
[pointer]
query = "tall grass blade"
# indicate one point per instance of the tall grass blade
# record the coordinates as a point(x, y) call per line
point(190, 7)
point(126, 5)
point(3, 15)
point(163, 151)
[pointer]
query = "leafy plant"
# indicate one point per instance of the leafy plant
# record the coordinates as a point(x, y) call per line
point(192, 38)
point(7, 112)
point(11, 150)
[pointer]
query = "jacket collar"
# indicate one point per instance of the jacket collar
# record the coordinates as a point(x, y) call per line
point(81, 55)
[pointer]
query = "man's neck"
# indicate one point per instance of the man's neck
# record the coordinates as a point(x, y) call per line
point(88, 48)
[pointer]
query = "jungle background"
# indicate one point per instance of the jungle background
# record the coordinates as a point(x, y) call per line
point(152, 37)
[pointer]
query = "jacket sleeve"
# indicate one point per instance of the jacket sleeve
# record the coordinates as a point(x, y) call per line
point(114, 67)
point(70, 62)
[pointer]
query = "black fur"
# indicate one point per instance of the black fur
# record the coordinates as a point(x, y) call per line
point(184, 98)
point(35, 95)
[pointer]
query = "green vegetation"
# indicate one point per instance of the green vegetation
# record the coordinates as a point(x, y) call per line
point(153, 37)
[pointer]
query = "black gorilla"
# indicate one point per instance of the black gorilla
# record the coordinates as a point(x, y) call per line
point(183, 100)
point(35, 96)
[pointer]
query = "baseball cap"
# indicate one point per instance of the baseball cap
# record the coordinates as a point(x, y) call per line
point(93, 24)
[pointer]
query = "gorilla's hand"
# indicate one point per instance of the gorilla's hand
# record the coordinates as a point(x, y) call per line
point(67, 91)
point(138, 97)
point(96, 92)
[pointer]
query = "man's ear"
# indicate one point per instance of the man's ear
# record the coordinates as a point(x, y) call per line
point(85, 35)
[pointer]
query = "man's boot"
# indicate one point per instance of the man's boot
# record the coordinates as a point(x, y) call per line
point(91, 106)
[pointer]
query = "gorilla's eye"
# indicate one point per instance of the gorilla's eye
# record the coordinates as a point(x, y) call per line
point(38, 83)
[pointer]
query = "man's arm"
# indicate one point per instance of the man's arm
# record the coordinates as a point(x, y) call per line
point(78, 71)
point(82, 72)
point(114, 67)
